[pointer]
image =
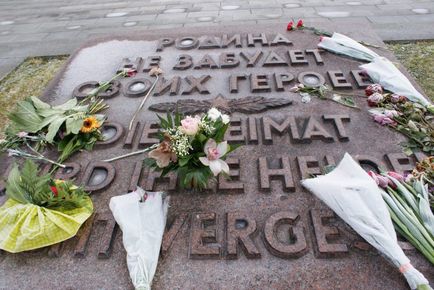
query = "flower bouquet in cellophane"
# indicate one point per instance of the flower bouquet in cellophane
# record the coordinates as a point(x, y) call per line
point(193, 147)
point(40, 211)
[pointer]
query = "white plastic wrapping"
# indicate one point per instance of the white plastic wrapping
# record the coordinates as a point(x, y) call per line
point(385, 73)
point(345, 45)
point(142, 225)
point(352, 194)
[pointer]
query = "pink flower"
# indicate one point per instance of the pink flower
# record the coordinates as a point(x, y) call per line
point(384, 120)
point(394, 98)
point(190, 125)
point(397, 176)
point(373, 175)
point(213, 153)
point(391, 113)
point(375, 99)
point(374, 88)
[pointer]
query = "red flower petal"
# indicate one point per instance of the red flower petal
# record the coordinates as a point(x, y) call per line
point(300, 23)
point(290, 26)
point(54, 190)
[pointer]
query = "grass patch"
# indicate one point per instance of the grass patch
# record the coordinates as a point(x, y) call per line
point(418, 58)
point(29, 79)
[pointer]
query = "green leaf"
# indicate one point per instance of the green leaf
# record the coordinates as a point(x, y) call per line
point(69, 105)
point(54, 128)
point(73, 125)
point(25, 118)
point(38, 104)
point(13, 189)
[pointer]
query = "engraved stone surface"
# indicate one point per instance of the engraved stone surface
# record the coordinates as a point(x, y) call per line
point(258, 230)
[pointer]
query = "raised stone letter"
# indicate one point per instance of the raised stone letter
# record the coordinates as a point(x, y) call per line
point(202, 237)
point(92, 176)
point(233, 82)
point(314, 130)
point(164, 42)
point(273, 59)
point(151, 61)
point(296, 245)
point(209, 42)
point(362, 79)
point(228, 59)
point(259, 83)
point(83, 237)
point(270, 125)
point(316, 54)
point(279, 39)
point(184, 62)
point(283, 173)
point(323, 233)
point(338, 79)
point(252, 59)
point(131, 134)
point(251, 39)
point(235, 39)
point(188, 42)
point(196, 84)
point(135, 177)
point(206, 62)
point(253, 130)
point(129, 92)
point(240, 229)
point(170, 234)
point(303, 78)
point(400, 162)
point(308, 165)
point(127, 64)
point(233, 184)
point(282, 79)
point(163, 86)
point(153, 178)
point(69, 172)
point(235, 132)
point(106, 240)
point(297, 57)
point(338, 123)
point(149, 134)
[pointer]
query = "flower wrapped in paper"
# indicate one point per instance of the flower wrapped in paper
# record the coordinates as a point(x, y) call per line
point(142, 218)
point(40, 212)
point(355, 197)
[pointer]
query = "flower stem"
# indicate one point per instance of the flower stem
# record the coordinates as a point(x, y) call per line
point(142, 103)
point(131, 154)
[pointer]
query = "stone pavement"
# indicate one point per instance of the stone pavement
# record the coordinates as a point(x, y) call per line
point(50, 27)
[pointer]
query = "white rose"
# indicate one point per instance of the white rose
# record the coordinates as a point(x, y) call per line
point(225, 118)
point(213, 114)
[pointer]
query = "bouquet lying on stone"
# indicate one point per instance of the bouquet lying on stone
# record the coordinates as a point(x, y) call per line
point(40, 211)
point(411, 119)
point(409, 207)
point(355, 197)
point(71, 127)
point(194, 147)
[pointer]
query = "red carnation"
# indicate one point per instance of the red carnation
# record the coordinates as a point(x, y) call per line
point(54, 190)
point(300, 23)
point(290, 26)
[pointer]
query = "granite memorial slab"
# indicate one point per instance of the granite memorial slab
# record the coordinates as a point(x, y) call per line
point(258, 230)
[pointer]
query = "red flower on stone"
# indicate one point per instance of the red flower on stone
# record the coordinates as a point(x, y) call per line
point(374, 88)
point(54, 190)
point(300, 23)
point(290, 26)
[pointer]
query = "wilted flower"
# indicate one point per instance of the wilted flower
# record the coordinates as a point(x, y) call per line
point(396, 175)
point(374, 99)
point(391, 113)
point(384, 120)
point(374, 88)
point(381, 181)
point(155, 71)
point(394, 98)
point(190, 125)
point(22, 134)
point(213, 153)
point(296, 88)
point(163, 154)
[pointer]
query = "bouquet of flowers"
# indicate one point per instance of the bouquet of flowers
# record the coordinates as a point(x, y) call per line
point(411, 119)
point(40, 211)
point(409, 207)
point(71, 127)
point(192, 146)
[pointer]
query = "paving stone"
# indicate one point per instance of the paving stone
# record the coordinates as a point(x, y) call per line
point(8, 64)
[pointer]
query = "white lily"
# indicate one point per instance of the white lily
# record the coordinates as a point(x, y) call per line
point(213, 153)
